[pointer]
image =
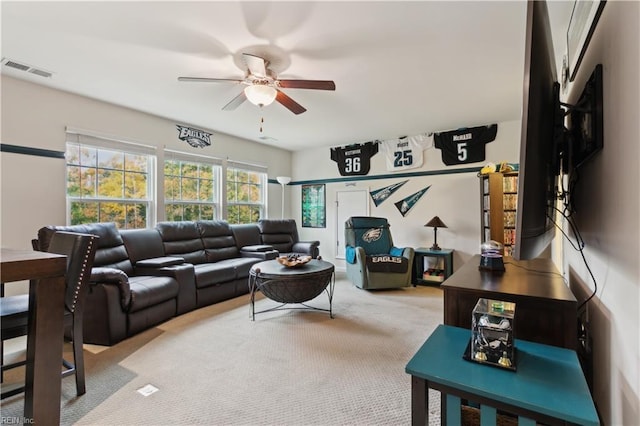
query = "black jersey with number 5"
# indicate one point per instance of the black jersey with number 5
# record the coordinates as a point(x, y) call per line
point(466, 145)
point(354, 159)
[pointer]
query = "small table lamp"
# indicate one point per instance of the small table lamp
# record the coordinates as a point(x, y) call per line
point(435, 223)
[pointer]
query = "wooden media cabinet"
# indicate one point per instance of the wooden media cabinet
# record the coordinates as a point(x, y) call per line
point(546, 309)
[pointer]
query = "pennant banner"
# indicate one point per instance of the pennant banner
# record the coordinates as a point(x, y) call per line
point(406, 204)
point(380, 195)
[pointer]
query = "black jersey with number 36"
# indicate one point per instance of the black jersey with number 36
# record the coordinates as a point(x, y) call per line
point(466, 145)
point(354, 159)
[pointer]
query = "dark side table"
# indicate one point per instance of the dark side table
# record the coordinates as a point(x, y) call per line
point(547, 310)
point(292, 285)
point(443, 266)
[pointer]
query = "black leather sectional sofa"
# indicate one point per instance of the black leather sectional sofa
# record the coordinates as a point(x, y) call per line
point(143, 277)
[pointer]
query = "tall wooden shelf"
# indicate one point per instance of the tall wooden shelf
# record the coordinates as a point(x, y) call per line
point(498, 201)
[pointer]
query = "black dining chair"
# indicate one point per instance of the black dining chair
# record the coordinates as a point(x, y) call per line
point(80, 250)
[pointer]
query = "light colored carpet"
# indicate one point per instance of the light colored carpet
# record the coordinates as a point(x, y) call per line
point(215, 366)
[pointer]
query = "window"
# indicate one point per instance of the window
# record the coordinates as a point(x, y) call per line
point(190, 188)
point(111, 180)
point(108, 183)
point(245, 194)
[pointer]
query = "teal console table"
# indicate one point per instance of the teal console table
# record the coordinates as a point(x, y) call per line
point(548, 386)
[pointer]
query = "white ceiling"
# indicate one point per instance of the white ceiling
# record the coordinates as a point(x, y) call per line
point(400, 68)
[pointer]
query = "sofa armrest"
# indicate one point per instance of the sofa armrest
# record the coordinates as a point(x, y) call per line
point(184, 273)
point(262, 255)
point(159, 262)
point(104, 320)
point(307, 247)
point(257, 248)
point(409, 253)
point(101, 275)
point(356, 270)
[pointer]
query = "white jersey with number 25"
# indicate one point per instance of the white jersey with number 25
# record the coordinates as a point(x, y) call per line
point(405, 153)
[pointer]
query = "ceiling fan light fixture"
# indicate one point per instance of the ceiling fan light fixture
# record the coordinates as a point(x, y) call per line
point(260, 94)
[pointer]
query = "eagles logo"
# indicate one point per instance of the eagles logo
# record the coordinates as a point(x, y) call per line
point(194, 137)
point(372, 234)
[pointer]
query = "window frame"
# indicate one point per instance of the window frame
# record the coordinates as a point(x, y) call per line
point(124, 148)
point(155, 202)
point(200, 160)
point(261, 206)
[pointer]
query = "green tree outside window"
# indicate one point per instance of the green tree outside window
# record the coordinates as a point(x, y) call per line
point(189, 190)
point(245, 200)
point(106, 185)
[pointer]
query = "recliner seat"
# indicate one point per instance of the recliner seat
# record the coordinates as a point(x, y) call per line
point(372, 261)
point(283, 236)
point(119, 303)
point(142, 277)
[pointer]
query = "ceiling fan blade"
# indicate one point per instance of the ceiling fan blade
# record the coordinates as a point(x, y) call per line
point(257, 65)
point(307, 84)
point(289, 103)
point(235, 102)
point(209, 80)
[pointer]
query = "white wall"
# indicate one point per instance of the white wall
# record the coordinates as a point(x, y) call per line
point(455, 198)
point(608, 215)
point(33, 188)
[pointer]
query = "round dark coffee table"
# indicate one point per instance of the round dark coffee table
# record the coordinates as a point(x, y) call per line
point(292, 285)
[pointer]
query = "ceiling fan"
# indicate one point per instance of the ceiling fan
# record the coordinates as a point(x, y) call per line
point(263, 85)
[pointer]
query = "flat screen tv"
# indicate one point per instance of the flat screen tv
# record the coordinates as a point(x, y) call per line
point(542, 138)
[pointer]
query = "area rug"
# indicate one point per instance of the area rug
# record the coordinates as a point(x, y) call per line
point(215, 366)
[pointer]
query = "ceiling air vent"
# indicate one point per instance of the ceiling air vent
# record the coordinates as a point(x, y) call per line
point(24, 67)
point(41, 73)
point(268, 139)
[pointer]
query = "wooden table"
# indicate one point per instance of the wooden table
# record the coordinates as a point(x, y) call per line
point(45, 272)
point(548, 386)
point(546, 310)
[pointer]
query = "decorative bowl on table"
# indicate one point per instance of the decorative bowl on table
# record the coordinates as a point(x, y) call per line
point(293, 260)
